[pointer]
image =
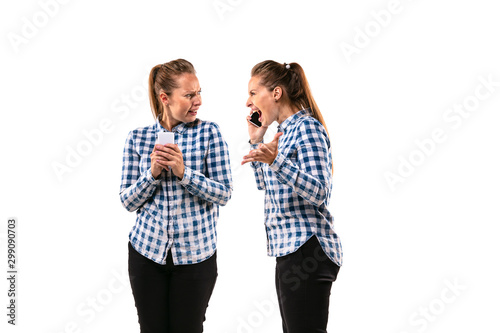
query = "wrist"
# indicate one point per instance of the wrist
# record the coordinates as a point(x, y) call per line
point(181, 173)
point(155, 175)
point(254, 141)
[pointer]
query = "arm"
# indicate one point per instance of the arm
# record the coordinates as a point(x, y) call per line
point(136, 188)
point(257, 170)
point(216, 187)
point(310, 177)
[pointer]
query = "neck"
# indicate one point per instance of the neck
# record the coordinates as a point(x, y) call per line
point(285, 112)
point(168, 124)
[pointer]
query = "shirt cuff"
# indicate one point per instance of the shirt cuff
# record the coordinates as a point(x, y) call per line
point(151, 179)
point(188, 174)
point(253, 146)
point(277, 163)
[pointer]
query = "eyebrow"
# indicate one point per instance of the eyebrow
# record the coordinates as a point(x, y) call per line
point(191, 91)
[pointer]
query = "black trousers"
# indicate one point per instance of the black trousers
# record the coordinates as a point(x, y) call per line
point(171, 298)
point(303, 283)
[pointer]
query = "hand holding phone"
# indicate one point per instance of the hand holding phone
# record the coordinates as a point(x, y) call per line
point(256, 129)
point(163, 138)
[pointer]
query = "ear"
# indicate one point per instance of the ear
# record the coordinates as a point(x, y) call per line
point(277, 93)
point(164, 98)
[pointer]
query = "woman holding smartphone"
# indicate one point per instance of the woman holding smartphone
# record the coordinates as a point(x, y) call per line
point(176, 190)
point(295, 171)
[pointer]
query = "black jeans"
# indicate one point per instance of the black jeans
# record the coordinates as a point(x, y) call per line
point(303, 283)
point(171, 298)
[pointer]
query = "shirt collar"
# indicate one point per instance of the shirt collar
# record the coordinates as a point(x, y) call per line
point(179, 128)
point(293, 118)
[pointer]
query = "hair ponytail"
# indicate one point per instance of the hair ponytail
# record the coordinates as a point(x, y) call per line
point(156, 106)
point(292, 79)
point(163, 77)
point(304, 97)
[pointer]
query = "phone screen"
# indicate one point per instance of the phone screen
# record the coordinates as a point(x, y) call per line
point(255, 119)
point(165, 137)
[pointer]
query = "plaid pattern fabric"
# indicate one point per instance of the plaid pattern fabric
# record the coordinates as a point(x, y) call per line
point(179, 215)
point(297, 189)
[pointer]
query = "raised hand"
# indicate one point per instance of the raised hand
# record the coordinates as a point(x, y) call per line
point(266, 152)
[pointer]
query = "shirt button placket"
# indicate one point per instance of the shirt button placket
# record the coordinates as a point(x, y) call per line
point(171, 208)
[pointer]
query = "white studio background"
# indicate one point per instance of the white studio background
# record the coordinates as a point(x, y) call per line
point(410, 91)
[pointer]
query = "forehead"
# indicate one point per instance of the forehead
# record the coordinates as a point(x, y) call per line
point(254, 83)
point(188, 81)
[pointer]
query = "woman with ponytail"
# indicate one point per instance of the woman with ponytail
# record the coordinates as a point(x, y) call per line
point(295, 171)
point(176, 190)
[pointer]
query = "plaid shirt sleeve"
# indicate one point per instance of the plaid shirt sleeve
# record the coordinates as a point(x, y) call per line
point(216, 187)
point(135, 189)
point(310, 176)
point(258, 171)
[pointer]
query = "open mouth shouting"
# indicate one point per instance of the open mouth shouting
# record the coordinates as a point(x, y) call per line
point(260, 114)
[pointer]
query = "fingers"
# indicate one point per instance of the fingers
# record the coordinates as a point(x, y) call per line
point(163, 163)
point(265, 150)
point(169, 151)
point(245, 161)
point(174, 147)
point(249, 158)
point(167, 147)
point(277, 137)
point(261, 154)
point(158, 159)
point(253, 154)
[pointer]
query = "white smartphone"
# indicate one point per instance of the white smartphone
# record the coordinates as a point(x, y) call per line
point(165, 137)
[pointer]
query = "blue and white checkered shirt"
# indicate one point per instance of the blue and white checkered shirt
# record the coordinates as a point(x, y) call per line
point(174, 214)
point(297, 189)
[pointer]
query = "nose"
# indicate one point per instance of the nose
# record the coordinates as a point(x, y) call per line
point(249, 103)
point(197, 100)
